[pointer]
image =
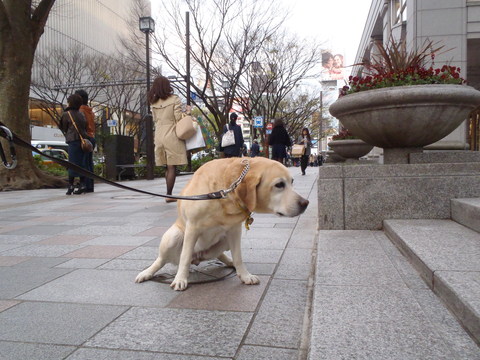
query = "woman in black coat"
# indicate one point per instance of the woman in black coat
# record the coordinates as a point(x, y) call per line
point(279, 140)
point(72, 138)
point(234, 150)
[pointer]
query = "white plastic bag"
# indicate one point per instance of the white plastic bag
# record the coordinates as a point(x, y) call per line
point(196, 141)
point(228, 138)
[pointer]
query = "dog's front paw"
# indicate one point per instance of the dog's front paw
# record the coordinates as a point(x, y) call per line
point(179, 284)
point(143, 276)
point(249, 279)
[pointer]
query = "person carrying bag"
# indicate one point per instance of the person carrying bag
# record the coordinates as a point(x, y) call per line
point(232, 128)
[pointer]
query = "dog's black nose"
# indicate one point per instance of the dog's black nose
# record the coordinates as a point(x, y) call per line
point(303, 204)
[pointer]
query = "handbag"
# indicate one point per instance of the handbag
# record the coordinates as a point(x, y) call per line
point(185, 128)
point(298, 150)
point(85, 144)
point(197, 141)
point(228, 139)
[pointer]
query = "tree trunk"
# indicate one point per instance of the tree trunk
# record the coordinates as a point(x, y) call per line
point(19, 34)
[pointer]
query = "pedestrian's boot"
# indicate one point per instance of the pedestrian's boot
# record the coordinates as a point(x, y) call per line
point(70, 189)
point(81, 189)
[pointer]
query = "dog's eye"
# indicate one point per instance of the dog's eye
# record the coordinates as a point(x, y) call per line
point(280, 185)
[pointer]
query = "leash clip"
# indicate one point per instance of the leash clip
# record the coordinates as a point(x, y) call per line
point(9, 136)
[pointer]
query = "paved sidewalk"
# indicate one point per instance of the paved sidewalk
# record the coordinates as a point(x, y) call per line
point(67, 291)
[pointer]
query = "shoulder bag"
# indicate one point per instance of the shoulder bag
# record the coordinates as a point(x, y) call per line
point(298, 150)
point(86, 145)
point(185, 128)
point(228, 139)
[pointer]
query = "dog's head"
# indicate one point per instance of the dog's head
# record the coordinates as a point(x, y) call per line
point(267, 188)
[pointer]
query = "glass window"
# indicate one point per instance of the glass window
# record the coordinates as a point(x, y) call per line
point(399, 11)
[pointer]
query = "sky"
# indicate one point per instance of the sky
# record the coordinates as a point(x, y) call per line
point(338, 24)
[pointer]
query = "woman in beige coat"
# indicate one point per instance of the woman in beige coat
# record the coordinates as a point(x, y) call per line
point(167, 111)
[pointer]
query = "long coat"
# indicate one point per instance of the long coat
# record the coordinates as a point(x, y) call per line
point(169, 149)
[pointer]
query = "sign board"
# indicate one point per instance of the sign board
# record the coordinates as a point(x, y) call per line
point(258, 122)
point(111, 123)
point(269, 128)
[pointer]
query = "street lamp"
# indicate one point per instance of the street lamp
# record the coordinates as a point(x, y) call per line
point(147, 25)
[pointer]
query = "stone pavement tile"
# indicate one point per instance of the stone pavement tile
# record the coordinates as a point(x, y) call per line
point(261, 269)
point(12, 260)
point(351, 268)
point(80, 263)
point(41, 250)
point(446, 325)
point(24, 351)
point(99, 251)
point(154, 231)
point(121, 264)
point(8, 228)
point(266, 353)
point(123, 229)
point(102, 287)
point(372, 340)
point(142, 252)
point(85, 206)
point(53, 219)
point(102, 354)
point(155, 242)
point(41, 262)
point(55, 323)
point(40, 230)
point(227, 295)
point(120, 240)
point(5, 304)
point(340, 304)
point(284, 225)
point(8, 247)
point(22, 279)
point(21, 239)
point(348, 240)
point(262, 243)
point(186, 332)
point(295, 264)
point(263, 233)
point(280, 318)
point(66, 239)
point(261, 256)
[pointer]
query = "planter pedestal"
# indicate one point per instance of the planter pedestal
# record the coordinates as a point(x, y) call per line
point(399, 155)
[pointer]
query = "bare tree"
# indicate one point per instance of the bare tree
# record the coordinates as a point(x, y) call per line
point(225, 37)
point(21, 26)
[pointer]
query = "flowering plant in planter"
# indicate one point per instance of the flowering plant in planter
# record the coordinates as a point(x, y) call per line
point(394, 66)
point(344, 134)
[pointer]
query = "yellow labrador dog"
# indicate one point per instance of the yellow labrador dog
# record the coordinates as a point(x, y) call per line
point(204, 230)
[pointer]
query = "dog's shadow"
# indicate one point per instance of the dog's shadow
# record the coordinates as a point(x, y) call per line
point(205, 272)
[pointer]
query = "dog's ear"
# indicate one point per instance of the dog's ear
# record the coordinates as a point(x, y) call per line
point(246, 192)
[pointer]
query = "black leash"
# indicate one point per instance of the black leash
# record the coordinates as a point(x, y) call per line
point(14, 139)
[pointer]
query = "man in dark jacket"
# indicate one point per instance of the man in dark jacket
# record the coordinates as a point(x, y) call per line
point(235, 149)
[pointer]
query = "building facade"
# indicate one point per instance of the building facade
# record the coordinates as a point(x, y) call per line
point(452, 23)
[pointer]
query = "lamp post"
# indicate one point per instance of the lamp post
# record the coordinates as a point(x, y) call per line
point(147, 26)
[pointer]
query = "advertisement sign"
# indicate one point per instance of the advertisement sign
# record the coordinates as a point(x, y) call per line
point(269, 128)
point(333, 66)
point(258, 122)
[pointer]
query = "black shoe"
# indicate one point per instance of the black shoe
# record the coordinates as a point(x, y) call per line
point(81, 189)
point(89, 190)
point(303, 173)
point(70, 189)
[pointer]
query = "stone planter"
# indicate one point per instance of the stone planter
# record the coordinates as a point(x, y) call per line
point(405, 117)
point(351, 148)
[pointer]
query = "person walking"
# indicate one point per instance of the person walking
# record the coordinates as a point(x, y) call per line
point(90, 117)
point(255, 149)
point(170, 151)
point(279, 140)
point(72, 137)
point(234, 150)
point(305, 140)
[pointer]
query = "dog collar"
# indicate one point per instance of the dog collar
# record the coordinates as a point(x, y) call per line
point(249, 219)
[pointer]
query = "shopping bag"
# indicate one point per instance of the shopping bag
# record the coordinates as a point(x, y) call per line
point(298, 150)
point(196, 141)
point(228, 139)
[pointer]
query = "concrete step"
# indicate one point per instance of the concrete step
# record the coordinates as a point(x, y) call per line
point(447, 256)
point(466, 212)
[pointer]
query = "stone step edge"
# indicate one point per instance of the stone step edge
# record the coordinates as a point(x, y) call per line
point(465, 214)
point(461, 309)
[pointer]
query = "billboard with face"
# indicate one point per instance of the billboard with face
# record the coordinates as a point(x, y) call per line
point(333, 66)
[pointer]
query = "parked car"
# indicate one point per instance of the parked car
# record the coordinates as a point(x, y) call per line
point(58, 153)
